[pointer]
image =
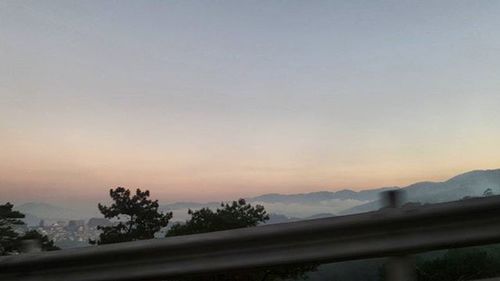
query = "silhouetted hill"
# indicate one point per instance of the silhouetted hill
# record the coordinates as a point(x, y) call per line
point(50, 212)
point(345, 194)
point(188, 205)
point(472, 183)
point(347, 201)
point(308, 205)
point(277, 218)
point(31, 220)
point(301, 205)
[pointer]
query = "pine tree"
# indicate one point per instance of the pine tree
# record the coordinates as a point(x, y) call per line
point(8, 220)
point(11, 240)
point(237, 214)
point(137, 217)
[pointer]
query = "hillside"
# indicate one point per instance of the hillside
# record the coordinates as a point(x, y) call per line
point(345, 194)
point(472, 183)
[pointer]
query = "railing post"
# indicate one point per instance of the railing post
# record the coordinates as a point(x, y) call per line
point(397, 268)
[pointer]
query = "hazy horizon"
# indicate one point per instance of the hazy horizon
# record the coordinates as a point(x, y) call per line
point(93, 201)
point(209, 101)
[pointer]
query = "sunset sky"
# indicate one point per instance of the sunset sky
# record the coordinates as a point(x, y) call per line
point(213, 100)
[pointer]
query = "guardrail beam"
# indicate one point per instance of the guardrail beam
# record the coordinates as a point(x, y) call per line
point(387, 232)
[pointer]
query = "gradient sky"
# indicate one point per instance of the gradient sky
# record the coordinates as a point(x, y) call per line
point(212, 100)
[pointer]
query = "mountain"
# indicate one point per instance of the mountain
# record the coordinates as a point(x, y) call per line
point(308, 205)
point(49, 212)
point(345, 194)
point(295, 206)
point(188, 205)
point(31, 220)
point(300, 206)
point(472, 184)
point(277, 218)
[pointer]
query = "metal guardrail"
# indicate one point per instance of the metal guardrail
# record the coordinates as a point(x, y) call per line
point(387, 232)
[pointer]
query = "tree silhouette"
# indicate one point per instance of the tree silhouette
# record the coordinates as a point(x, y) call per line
point(8, 220)
point(460, 264)
point(43, 241)
point(237, 214)
point(137, 217)
point(11, 241)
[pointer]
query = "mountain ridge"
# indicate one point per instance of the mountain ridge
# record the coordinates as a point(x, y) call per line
point(472, 183)
point(306, 205)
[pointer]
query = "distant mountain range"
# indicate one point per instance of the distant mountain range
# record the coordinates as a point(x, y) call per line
point(36, 211)
point(307, 205)
point(472, 184)
point(289, 207)
point(346, 201)
point(294, 206)
point(314, 197)
point(44, 210)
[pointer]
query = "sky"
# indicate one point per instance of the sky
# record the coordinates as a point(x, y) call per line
point(216, 100)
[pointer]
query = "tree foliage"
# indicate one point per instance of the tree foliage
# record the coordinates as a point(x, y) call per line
point(43, 241)
point(460, 264)
point(237, 214)
point(11, 240)
point(137, 217)
point(8, 220)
